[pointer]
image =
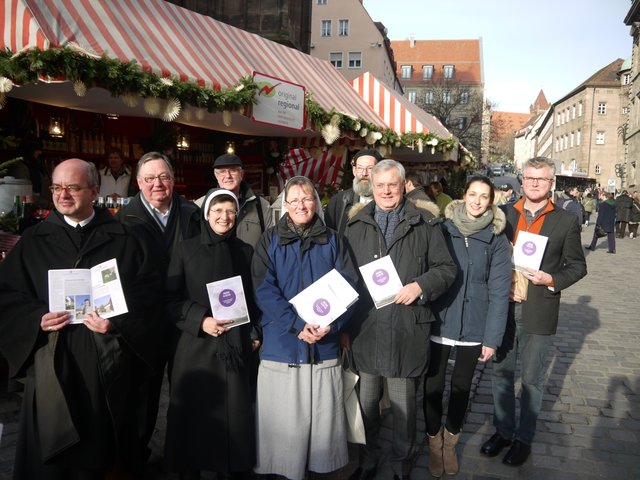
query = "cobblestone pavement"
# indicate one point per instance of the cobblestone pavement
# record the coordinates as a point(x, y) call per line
point(590, 422)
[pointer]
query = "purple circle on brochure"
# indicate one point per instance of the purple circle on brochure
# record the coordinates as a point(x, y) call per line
point(528, 248)
point(380, 276)
point(321, 307)
point(227, 297)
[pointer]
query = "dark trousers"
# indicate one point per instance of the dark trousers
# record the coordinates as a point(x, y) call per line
point(465, 364)
point(611, 241)
point(402, 394)
point(620, 229)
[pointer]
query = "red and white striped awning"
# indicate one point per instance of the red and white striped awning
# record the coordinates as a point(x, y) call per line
point(172, 41)
point(397, 112)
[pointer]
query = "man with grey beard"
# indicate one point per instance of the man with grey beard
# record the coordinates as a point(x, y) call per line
point(337, 211)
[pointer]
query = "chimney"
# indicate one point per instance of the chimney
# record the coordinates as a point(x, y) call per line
point(412, 40)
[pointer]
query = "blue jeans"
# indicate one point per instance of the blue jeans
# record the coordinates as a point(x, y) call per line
point(532, 350)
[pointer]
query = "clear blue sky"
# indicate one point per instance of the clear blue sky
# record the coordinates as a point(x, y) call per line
point(550, 44)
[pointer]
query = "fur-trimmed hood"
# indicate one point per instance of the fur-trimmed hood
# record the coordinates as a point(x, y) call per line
point(499, 218)
point(425, 205)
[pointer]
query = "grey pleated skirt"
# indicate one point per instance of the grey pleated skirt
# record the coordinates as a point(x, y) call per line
point(300, 419)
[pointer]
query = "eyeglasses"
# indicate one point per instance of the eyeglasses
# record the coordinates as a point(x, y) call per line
point(220, 211)
point(227, 171)
point(537, 179)
point(72, 189)
point(297, 201)
point(163, 177)
point(360, 169)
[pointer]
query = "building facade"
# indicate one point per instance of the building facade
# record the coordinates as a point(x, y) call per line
point(445, 78)
point(284, 21)
point(632, 133)
point(343, 33)
point(586, 122)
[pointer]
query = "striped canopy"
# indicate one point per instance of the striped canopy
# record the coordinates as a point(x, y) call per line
point(397, 112)
point(172, 41)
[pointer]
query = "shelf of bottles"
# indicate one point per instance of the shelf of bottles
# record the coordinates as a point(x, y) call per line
point(88, 143)
point(200, 156)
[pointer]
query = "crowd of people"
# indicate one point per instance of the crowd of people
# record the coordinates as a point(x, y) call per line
point(266, 397)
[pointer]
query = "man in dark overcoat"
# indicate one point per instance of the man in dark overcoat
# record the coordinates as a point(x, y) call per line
point(392, 343)
point(162, 219)
point(532, 321)
point(79, 378)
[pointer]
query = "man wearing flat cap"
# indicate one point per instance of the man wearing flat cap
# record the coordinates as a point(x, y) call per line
point(338, 208)
point(254, 216)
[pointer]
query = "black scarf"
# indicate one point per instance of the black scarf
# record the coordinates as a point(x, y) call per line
point(224, 248)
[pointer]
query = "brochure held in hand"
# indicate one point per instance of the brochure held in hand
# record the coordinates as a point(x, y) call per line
point(382, 281)
point(325, 300)
point(228, 301)
point(83, 290)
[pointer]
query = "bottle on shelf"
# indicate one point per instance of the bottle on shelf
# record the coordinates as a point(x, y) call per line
point(17, 207)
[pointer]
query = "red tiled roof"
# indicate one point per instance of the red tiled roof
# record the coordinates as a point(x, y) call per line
point(507, 123)
point(465, 55)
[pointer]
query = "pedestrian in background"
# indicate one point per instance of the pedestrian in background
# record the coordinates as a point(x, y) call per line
point(634, 217)
point(623, 205)
point(438, 195)
point(533, 320)
point(606, 221)
point(470, 317)
point(589, 205)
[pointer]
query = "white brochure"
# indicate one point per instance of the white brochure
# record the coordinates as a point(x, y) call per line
point(528, 251)
point(82, 290)
point(228, 301)
point(382, 280)
point(325, 300)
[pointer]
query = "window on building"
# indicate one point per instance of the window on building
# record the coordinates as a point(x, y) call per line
point(325, 28)
point(411, 96)
point(428, 97)
point(462, 123)
point(336, 59)
point(557, 145)
point(602, 108)
point(573, 166)
point(580, 108)
point(321, 2)
point(578, 134)
point(625, 110)
point(562, 117)
point(558, 119)
point(447, 72)
point(600, 137)
point(565, 142)
point(427, 72)
point(626, 79)
point(406, 71)
point(343, 28)
point(598, 169)
point(355, 59)
point(571, 139)
point(464, 98)
point(446, 96)
point(573, 112)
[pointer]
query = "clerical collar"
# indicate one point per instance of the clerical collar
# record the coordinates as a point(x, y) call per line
point(82, 223)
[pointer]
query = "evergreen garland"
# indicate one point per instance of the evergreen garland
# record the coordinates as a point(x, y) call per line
point(129, 78)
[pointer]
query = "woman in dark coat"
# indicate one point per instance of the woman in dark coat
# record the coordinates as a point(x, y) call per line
point(210, 420)
point(470, 317)
point(606, 220)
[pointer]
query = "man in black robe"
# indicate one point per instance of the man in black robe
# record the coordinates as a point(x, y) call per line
point(76, 422)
